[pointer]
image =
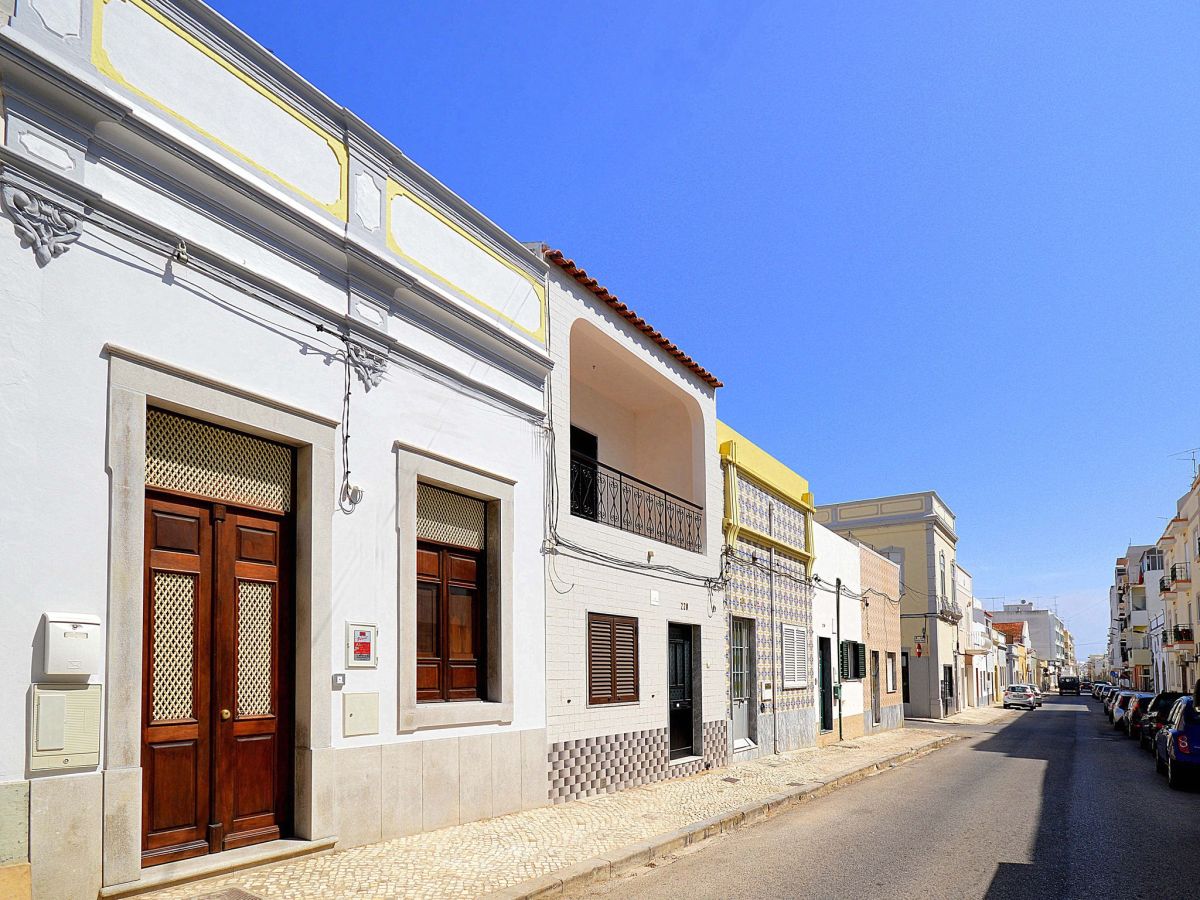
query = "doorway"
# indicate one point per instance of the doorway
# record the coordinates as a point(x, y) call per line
point(217, 717)
point(947, 690)
point(741, 681)
point(875, 703)
point(825, 654)
point(679, 682)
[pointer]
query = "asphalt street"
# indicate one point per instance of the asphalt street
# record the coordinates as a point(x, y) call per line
point(1055, 804)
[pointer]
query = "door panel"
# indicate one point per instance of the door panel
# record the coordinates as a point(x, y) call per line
point(741, 675)
point(679, 681)
point(251, 801)
point(176, 753)
point(217, 673)
point(825, 651)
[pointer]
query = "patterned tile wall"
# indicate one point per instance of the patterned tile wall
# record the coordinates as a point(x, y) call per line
point(748, 595)
point(608, 763)
point(787, 521)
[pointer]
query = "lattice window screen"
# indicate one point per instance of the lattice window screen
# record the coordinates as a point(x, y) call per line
point(173, 646)
point(197, 458)
point(450, 518)
point(255, 630)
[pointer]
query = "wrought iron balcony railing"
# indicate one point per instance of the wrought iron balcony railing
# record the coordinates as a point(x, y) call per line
point(1182, 634)
point(1165, 585)
point(607, 495)
point(1180, 572)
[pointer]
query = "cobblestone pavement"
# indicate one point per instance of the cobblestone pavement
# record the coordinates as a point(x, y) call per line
point(471, 860)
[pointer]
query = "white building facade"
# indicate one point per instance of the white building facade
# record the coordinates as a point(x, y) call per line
point(280, 398)
point(1047, 635)
point(636, 628)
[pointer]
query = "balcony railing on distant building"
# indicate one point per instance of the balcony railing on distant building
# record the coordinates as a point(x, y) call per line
point(1165, 585)
point(949, 609)
point(1180, 572)
point(1182, 634)
point(607, 495)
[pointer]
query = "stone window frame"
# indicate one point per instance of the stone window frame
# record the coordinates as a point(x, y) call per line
point(415, 465)
point(135, 383)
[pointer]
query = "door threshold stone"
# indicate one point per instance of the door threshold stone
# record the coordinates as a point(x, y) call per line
point(201, 867)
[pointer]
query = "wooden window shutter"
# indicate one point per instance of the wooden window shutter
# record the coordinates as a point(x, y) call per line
point(612, 647)
point(860, 652)
point(795, 656)
point(600, 662)
point(844, 660)
point(625, 659)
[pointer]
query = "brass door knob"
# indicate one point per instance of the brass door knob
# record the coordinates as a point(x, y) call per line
point(226, 715)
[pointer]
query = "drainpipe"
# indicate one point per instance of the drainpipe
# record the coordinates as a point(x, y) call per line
point(837, 639)
point(775, 682)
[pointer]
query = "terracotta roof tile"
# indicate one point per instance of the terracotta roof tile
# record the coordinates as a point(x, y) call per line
point(580, 275)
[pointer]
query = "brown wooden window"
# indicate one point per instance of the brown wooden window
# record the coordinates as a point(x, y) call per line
point(451, 626)
point(612, 659)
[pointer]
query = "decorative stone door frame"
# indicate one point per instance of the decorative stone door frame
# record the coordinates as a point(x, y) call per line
point(136, 381)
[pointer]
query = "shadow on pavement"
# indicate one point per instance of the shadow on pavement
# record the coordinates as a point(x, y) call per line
point(1106, 820)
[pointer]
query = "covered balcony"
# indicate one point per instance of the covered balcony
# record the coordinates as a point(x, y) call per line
point(637, 444)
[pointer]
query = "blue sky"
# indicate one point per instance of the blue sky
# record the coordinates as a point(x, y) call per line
point(926, 245)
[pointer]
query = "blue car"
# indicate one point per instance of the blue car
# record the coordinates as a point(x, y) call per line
point(1177, 744)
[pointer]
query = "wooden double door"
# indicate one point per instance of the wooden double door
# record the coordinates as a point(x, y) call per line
point(217, 673)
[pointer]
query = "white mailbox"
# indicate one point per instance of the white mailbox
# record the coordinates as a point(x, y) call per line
point(73, 644)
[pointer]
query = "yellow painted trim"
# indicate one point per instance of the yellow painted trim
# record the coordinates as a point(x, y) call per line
point(394, 190)
point(732, 524)
point(765, 469)
point(101, 61)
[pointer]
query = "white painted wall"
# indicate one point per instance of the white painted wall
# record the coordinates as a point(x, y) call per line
point(837, 558)
point(578, 586)
point(54, 394)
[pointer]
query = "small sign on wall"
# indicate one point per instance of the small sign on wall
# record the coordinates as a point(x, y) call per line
point(360, 645)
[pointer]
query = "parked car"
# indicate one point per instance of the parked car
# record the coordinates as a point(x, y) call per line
point(1019, 695)
point(1100, 691)
point(1068, 685)
point(1038, 697)
point(1155, 717)
point(1132, 722)
point(1111, 699)
point(1121, 708)
point(1177, 744)
point(1085, 687)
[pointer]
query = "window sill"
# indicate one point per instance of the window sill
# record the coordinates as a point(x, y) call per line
point(458, 712)
point(684, 760)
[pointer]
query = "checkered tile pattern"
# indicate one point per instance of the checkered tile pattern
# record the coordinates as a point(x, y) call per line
point(716, 743)
point(605, 764)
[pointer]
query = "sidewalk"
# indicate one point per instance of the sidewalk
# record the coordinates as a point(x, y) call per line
point(483, 857)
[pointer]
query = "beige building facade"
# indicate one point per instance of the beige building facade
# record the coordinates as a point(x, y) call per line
point(917, 532)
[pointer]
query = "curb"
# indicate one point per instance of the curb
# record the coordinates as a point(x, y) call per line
point(632, 856)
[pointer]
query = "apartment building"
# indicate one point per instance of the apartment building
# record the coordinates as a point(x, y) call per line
point(1047, 635)
point(1180, 550)
point(1137, 615)
point(917, 532)
point(774, 684)
point(232, 619)
point(635, 619)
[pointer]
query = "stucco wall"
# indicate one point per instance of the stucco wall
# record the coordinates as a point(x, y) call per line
point(838, 558)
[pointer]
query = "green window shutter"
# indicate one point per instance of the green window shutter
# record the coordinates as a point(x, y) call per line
point(844, 660)
point(860, 660)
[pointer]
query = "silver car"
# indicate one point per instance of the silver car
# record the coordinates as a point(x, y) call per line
point(1019, 695)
